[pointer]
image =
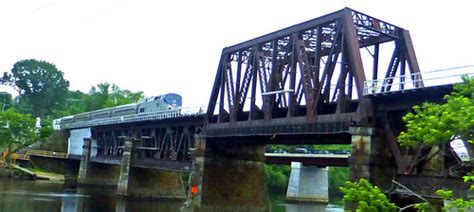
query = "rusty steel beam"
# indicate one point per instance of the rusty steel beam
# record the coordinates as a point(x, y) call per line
point(289, 73)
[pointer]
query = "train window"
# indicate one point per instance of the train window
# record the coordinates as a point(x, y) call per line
point(173, 99)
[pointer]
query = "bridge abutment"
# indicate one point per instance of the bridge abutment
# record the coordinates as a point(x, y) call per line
point(308, 184)
point(228, 176)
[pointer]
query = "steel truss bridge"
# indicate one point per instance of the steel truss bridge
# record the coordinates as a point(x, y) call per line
point(305, 84)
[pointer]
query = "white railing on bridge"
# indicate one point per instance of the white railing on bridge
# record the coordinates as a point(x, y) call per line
point(136, 118)
point(417, 80)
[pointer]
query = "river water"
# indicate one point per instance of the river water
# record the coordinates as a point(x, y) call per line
point(22, 195)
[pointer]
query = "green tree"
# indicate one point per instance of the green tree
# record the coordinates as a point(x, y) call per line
point(437, 124)
point(366, 196)
point(109, 95)
point(73, 104)
point(16, 130)
point(434, 124)
point(5, 101)
point(40, 84)
point(277, 177)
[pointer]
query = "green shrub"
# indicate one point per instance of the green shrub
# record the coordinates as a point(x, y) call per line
point(366, 196)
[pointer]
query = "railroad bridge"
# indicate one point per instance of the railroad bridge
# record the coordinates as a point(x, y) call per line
point(343, 78)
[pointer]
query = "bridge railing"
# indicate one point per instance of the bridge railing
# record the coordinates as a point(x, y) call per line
point(417, 80)
point(135, 118)
point(46, 153)
point(38, 152)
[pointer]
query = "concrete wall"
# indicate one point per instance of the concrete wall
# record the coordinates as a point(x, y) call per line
point(69, 168)
point(155, 183)
point(102, 174)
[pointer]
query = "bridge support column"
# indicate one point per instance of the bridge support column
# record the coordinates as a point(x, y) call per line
point(307, 184)
point(84, 165)
point(370, 157)
point(193, 201)
point(228, 176)
point(122, 187)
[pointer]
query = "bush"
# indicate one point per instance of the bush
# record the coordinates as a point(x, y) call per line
point(366, 196)
point(277, 177)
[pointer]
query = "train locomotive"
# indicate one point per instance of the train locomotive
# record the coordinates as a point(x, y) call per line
point(166, 102)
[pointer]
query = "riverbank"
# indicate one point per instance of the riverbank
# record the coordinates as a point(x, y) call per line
point(8, 172)
point(16, 172)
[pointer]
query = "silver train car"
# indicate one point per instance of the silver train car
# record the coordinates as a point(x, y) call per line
point(170, 101)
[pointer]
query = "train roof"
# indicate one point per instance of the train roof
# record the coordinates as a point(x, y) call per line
point(121, 106)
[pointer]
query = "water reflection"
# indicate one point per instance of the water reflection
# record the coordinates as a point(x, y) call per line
point(45, 196)
point(16, 195)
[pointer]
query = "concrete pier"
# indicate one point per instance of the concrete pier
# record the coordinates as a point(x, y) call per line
point(122, 187)
point(228, 176)
point(84, 165)
point(307, 184)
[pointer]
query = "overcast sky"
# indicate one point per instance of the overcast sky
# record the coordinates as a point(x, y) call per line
point(174, 46)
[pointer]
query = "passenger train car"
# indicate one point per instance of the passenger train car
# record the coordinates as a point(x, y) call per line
point(170, 101)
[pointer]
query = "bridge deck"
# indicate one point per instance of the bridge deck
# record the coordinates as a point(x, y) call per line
point(271, 158)
point(308, 159)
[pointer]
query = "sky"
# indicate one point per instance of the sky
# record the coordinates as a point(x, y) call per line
point(174, 46)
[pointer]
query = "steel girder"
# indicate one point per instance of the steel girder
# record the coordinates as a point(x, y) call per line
point(307, 70)
point(171, 143)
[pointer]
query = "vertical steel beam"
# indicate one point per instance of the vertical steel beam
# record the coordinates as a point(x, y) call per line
point(215, 90)
point(220, 114)
point(306, 75)
point(355, 61)
point(292, 95)
point(269, 100)
point(235, 111)
point(256, 65)
point(376, 62)
point(411, 57)
point(317, 56)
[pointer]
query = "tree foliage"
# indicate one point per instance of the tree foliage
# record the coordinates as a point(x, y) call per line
point(434, 124)
point(5, 101)
point(109, 95)
point(40, 84)
point(16, 130)
point(277, 177)
point(366, 196)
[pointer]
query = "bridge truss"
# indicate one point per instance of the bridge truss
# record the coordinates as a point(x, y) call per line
point(308, 73)
point(164, 144)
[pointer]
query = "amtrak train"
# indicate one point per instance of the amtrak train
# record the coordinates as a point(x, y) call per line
point(170, 101)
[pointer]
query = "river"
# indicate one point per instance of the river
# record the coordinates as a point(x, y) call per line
point(22, 195)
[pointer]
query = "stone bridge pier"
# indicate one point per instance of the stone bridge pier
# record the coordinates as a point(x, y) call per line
point(370, 157)
point(228, 176)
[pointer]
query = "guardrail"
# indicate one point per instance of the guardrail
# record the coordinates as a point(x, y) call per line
point(45, 153)
point(36, 152)
point(134, 118)
point(417, 80)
